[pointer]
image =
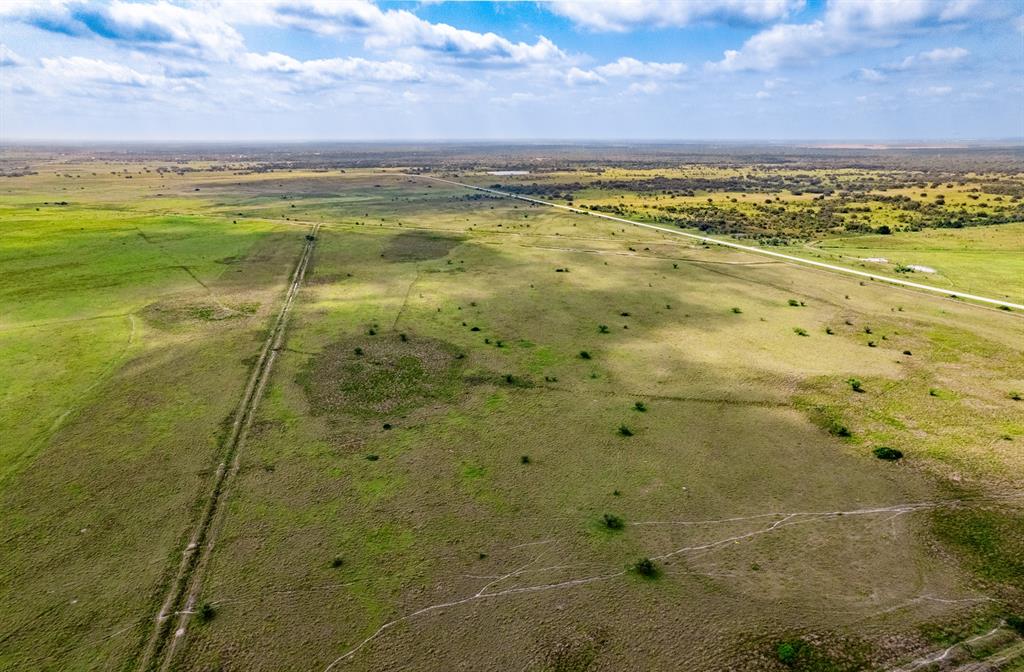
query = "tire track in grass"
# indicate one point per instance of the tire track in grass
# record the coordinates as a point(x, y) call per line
point(179, 602)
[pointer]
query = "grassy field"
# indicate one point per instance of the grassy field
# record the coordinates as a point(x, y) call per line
point(484, 415)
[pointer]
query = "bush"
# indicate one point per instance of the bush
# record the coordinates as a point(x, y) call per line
point(800, 331)
point(640, 406)
point(736, 310)
point(1017, 623)
point(1016, 396)
point(613, 522)
point(794, 303)
point(786, 651)
point(524, 459)
point(584, 354)
point(403, 337)
point(625, 431)
point(338, 561)
point(359, 352)
point(872, 344)
point(206, 612)
point(646, 568)
point(887, 453)
point(856, 385)
point(907, 353)
point(372, 458)
point(602, 328)
point(828, 330)
point(372, 332)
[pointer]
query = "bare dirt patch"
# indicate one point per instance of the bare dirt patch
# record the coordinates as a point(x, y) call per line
point(171, 313)
point(418, 246)
point(380, 375)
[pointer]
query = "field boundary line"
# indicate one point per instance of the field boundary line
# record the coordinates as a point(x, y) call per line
point(185, 587)
point(738, 246)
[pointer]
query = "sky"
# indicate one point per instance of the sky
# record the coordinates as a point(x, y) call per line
point(691, 70)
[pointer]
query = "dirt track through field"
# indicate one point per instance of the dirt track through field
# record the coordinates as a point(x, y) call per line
point(746, 248)
point(179, 603)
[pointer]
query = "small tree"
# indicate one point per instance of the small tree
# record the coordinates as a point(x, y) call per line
point(736, 310)
point(625, 431)
point(856, 385)
point(645, 567)
point(602, 328)
point(584, 354)
point(640, 406)
point(613, 522)
point(887, 453)
point(800, 331)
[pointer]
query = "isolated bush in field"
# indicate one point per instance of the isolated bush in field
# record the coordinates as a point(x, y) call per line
point(625, 431)
point(867, 330)
point(474, 329)
point(788, 652)
point(359, 352)
point(338, 561)
point(372, 332)
point(613, 522)
point(1016, 622)
point(646, 568)
point(800, 331)
point(524, 459)
point(640, 406)
point(206, 612)
point(736, 310)
point(872, 344)
point(887, 453)
point(907, 352)
point(602, 328)
point(837, 428)
point(1016, 396)
point(372, 457)
point(855, 385)
point(794, 303)
point(584, 354)
point(933, 392)
point(403, 337)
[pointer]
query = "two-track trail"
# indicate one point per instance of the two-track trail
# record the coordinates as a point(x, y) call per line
point(179, 604)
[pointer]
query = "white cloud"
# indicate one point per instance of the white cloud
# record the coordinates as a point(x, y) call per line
point(631, 67)
point(577, 77)
point(326, 70)
point(158, 26)
point(645, 88)
point(870, 75)
point(9, 59)
point(394, 30)
point(847, 26)
point(79, 69)
point(933, 57)
point(625, 15)
point(935, 91)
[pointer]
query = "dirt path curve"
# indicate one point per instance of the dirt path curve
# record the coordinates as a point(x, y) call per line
point(182, 593)
point(737, 246)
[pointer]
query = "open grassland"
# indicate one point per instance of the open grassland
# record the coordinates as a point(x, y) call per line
point(483, 416)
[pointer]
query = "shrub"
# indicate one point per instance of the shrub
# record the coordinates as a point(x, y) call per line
point(1016, 396)
point(786, 653)
point(837, 428)
point(372, 458)
point(800, 331)
point(887, 453)
point(584, 354)
point(372, 332)
point(616, 493)
point(907, 352)
point(856, 385)
point(403, 337)
point(794, 303)
point(338, 561)
point(625, 431)
point(933, 392)
point(736, 310)
point(1017, 623)
point(867, 330)
point(646, 568)
point(206, 612)
point(602, 328)
point(829, 331)
point(524, 459)
point(640, 406)
point(359, 352)
point(613, 522)
point(872, 344)
point(474, 329)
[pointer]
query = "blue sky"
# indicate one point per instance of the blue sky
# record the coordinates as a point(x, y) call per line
point(357, 70)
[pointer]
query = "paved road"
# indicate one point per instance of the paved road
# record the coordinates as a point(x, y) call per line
point(745, 248)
